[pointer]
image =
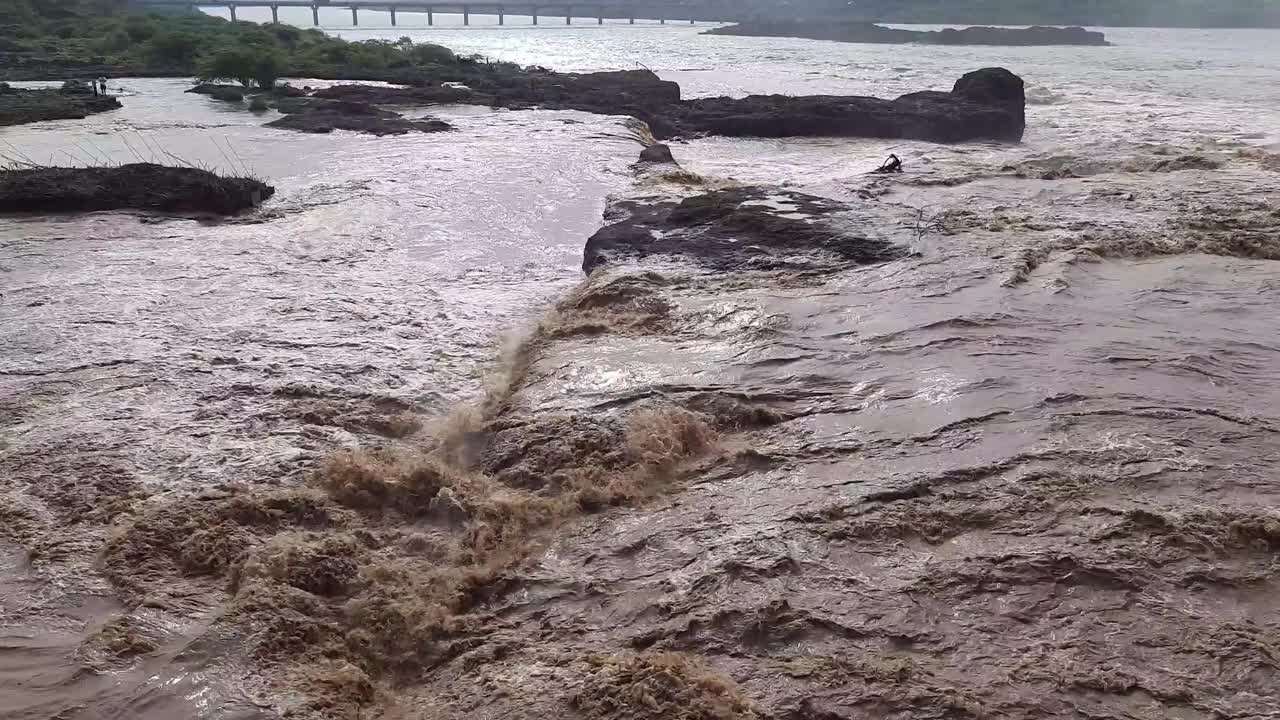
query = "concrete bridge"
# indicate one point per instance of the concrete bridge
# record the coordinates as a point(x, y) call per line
point(660, 10)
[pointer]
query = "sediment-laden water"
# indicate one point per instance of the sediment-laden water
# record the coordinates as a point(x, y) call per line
point(1027, 469)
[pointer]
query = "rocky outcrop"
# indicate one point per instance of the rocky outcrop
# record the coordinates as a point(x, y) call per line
point(318, 115)
point(860, 32)
point(379, 95)
point(27, 106)
point(657, 153)
point(623, 92)
point(227, 93)
point(138, 186)
point(986, 104)
point(740, 228)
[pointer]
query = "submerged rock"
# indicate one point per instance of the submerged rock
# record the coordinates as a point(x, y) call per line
point(138, 186)
point(863, 32)
point(739, 228)
point(26, 106)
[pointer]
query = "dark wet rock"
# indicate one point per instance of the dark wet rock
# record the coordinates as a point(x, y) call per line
point(139, 186)
point(863, 32)
point(640, 93)
point(287, 90)
point(609, 92)
point(26, 106)
point(313, 115)
point(259, 104)
point(657, 153)
point(210, 88)
point(741, 228)
point(377, 95)
point(226, 93)
point(326, 122)
point(986, 104)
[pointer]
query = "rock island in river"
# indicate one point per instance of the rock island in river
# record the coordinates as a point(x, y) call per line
point(862, 32)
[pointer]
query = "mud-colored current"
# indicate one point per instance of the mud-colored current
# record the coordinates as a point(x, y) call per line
point(1027, 470)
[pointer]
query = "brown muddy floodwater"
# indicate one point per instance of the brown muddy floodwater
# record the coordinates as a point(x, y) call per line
point(1027, 470)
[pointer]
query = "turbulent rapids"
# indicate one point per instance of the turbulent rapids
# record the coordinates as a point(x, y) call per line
point(769, 435)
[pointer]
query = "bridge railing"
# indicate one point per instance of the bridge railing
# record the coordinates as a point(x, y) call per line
point(660, 10)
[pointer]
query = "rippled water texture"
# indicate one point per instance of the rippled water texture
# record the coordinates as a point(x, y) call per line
point(1052, 426)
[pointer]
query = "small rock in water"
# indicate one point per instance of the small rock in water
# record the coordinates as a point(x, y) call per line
point(657, 153)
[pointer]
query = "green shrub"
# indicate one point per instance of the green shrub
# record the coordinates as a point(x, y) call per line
point(287, 35)
point(140, 29)
point(245, 65)
point(267, 68)
point(175, 48)
point(113, 43)
point(430, 53)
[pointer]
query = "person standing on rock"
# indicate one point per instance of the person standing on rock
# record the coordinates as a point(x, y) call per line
point(103, 83)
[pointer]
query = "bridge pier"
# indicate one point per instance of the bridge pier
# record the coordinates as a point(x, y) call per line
point(233, 11)
point(315, 15)
point(393, 16)
point(431, 17)
point(502, 16)
point(599, 17)
point(355, 17)
point(568, 16)
point(466, 15)
point(633, 21)
point(275, 14)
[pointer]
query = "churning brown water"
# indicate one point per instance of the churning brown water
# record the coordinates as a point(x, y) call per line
point(1027, 470)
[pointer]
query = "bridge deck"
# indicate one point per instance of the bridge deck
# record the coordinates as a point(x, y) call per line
point(663, 10)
